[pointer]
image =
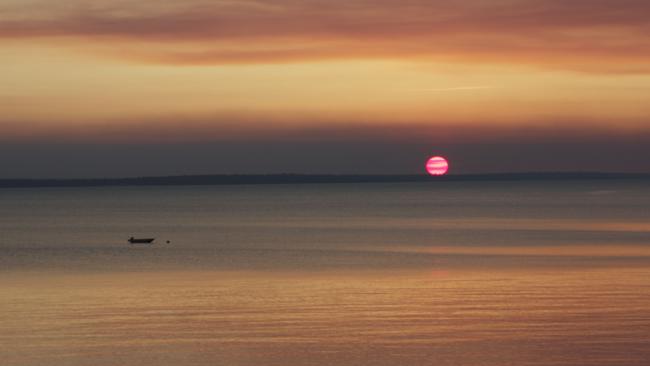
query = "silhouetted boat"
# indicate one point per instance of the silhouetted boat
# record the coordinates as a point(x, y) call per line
point(133, 240)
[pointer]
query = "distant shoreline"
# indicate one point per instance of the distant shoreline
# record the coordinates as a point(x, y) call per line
point(256, 179)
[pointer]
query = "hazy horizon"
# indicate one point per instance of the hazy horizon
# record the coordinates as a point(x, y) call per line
point(382, 178)
point(75, 160)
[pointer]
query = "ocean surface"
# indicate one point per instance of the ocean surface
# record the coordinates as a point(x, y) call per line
point(443, 273)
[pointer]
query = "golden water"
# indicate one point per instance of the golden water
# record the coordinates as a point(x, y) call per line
point(480, 274)
point(437, 317)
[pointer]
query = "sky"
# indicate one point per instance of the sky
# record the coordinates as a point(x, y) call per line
point(99, 88)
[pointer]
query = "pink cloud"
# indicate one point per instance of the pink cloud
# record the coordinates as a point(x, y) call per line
point(586, 35)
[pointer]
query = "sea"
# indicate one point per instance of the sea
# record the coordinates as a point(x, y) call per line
point(433, 273)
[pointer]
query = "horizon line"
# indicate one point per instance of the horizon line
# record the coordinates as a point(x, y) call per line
point(303, 178)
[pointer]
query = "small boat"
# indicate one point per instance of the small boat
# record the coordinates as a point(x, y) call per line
point(133, 240)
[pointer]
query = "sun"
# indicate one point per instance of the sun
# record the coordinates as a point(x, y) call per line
point(437, 166)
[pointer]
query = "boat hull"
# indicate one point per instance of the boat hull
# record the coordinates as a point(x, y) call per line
point(141, 241)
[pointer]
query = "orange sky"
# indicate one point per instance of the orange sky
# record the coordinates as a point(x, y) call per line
point(193, 70)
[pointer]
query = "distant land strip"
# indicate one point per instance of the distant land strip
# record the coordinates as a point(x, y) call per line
point(237, 179)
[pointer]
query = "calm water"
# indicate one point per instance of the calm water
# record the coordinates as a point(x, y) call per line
point(419, 274)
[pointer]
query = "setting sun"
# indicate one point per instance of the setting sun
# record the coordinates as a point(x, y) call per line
point(437, 166)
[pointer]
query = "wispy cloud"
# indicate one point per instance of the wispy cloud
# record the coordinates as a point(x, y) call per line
point(266, 128)
point(585, 35)
point(452, 89)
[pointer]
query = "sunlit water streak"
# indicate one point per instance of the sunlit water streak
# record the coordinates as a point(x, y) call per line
point(465, 274)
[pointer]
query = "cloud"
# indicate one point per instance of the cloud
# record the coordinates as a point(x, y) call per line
point(457, 88)
point(584, 35)
point(235, 128)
